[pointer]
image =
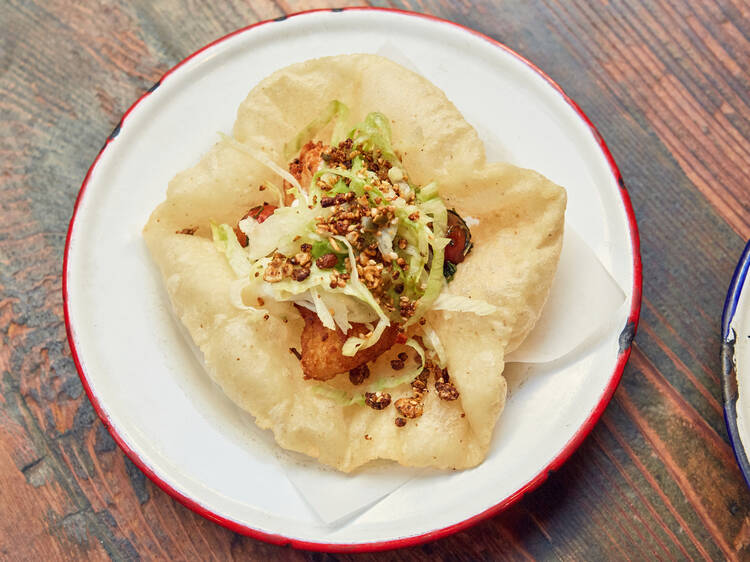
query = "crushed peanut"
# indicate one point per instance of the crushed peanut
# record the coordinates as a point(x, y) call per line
point(377, 400)
point(445, 389)
point(358, 375)
point(327, 261)
point(409, 407)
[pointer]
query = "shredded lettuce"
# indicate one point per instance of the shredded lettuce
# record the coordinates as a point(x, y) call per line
point(356, 183)
point(417, 260)
point(419, 236)
point(277, 191)
point(226, 242)
point(458, 303)
point(321, 310)
point(375, 132)
point(385, 239)
point(335, 110)
point(433, 343)
point(357, 289)
point(428, 192)
point(278, 232)
point(263, 158)
point(235, 295)
point(337, 306)
point(393, 382)
point(354, 344)
point(435, 280)
point(338, 396)
point(439, 213)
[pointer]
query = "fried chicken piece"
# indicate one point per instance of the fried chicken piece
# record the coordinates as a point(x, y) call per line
point(304, 167)
point(321, 347)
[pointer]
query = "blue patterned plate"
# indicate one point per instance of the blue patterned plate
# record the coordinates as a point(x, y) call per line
point(735, 362)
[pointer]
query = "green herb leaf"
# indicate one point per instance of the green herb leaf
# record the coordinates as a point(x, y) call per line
point(449, 270)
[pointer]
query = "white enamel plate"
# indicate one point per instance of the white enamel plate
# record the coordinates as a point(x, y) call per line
point(154, 396)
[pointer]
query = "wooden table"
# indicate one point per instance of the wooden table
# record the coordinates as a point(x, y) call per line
point(667, 85)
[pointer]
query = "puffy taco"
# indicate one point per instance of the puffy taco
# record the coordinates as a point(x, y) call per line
point(353, 270)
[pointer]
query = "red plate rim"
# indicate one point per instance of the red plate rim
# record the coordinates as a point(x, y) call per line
point(625, 340)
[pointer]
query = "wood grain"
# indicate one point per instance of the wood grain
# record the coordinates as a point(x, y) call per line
point(667, 85)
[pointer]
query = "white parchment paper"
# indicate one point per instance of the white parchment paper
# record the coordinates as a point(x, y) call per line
point(583, 297)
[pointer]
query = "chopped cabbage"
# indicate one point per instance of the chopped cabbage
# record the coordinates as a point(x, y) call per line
point(338, 396)
point(357, 289)
point(335, 110)
point(458, 303)
point(375, 132)
point(263, 158)
point(235, 296)
point(433, 343)
point(428, 192)
point(385, 239)
point(393, 382)
point(279, 231)
point(321, 310)
point(226, 242)
point(435, 280)
point(280, 194)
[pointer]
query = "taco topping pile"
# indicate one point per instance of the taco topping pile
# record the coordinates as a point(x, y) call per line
point(363, 254)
